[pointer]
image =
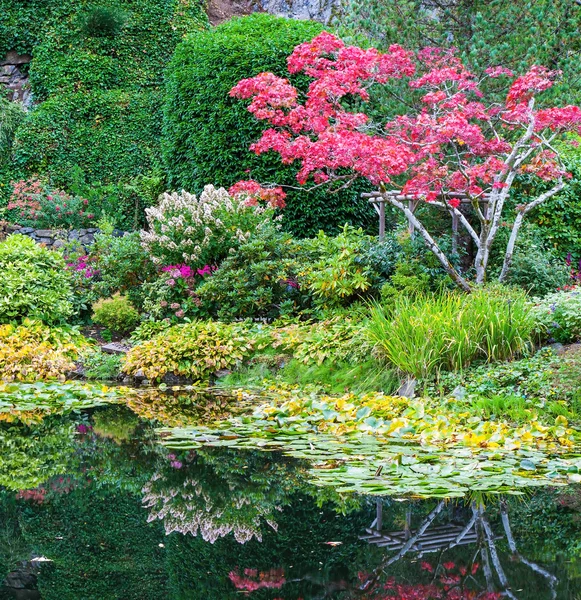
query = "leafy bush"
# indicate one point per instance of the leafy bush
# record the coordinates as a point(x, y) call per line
point(148, 329)
point(185, 229)
point(536, 268)
point(34, 282)
point(194, 350)
point(207, 134)
point(101, 366)
point(116, 314)
point(333, 340)
point(258, 279)
point(32, 351)
point(340, 274)
point(558, 315)
point(34, 204)
point(425, 334)
point(123, 266)
point(102, 21)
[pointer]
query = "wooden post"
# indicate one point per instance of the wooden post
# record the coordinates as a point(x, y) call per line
point(379, 513)
point(381, 219)
point(411, 228)
point(454, 233)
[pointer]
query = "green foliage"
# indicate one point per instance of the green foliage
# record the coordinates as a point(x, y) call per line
point(11, 116)
point(536, 266)
point(560, 217)
point(534, 32)
point(33, 282)
point(558, 315)
point(102, 21)
point(34, 351)
point(101, 366)
point(333, 340)
point(531, 378)
point(425, 334)
point(101, 94)
point(147, 329)
point(207, 134)
point(122, 264)
point(194, 350)
point(258, 279)
point(340, 274)
point(111, 135)
point(116, 314)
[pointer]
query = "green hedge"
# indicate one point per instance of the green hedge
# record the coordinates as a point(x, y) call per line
point(207, 134)
point(111, 135)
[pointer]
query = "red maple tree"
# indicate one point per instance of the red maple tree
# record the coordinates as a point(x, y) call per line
point(456, 145)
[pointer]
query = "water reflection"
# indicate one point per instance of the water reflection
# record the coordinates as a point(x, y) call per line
point(109, 513)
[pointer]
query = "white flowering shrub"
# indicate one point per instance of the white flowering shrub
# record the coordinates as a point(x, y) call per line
point(185, 229)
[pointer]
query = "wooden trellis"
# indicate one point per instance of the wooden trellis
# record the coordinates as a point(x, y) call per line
point(379, 199)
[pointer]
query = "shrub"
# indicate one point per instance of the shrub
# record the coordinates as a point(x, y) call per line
point(34, 282)
point(185, 229)
point(332, 340)
point(257, 280)
point(122, 266)
point(148, 329)
point(34, 204)
point(116, 314)
point(207, 133)
point(32, 351)
point(536, 268)
point(102, 21)
point(425, 334)
point(558, 315)
point(194, 350)
point(340, 274)
point(101, 366)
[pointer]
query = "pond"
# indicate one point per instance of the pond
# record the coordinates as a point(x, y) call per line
point(99, 503)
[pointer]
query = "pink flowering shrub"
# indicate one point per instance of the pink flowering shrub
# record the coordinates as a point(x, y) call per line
point(173, 296)
point(35, 204)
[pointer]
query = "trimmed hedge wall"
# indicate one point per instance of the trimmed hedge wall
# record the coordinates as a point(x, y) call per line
point(207, 134)
point(112, 135)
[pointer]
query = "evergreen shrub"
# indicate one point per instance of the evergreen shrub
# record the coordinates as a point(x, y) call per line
point(207, 134)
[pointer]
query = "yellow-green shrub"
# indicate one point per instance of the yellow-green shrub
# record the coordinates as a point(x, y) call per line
point(194, 350)
point(34, 351)
point(116, 313)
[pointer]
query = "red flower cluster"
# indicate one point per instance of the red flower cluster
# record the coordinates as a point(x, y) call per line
point(251, 192)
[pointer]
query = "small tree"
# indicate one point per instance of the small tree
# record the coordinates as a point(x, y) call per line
point(455, 144)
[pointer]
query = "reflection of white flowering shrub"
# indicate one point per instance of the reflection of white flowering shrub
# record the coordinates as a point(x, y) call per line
point(188, 508)
point(195, 231)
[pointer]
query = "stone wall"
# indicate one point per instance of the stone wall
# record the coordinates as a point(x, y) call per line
point(56, 238)
point(14, 78)
point(319, 10)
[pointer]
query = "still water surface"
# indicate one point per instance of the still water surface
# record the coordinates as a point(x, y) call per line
point(92, 506)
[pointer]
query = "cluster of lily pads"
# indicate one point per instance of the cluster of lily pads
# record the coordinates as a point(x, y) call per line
point(377, 444)
point(31, 402)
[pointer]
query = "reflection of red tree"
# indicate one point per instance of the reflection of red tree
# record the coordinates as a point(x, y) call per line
point(448, 584)
point(60, 485)
point(253, 579)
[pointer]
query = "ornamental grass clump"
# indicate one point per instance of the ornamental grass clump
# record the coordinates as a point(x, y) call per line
point(199, 230)
point(423, 335)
